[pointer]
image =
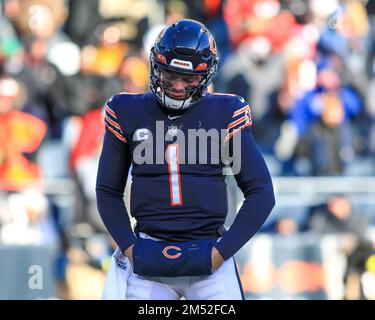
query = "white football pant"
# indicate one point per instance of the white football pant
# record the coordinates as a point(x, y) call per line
point(122, 283)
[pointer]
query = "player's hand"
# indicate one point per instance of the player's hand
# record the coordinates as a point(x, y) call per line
point(129, 254)
point(216, 259)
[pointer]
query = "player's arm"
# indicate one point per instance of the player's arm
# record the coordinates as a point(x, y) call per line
point(111, 180)
point(254, 180)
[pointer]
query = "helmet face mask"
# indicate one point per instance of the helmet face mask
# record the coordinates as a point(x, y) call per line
point(183, 50)
point(178, 85)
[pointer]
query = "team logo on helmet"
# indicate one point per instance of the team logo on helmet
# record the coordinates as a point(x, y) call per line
point(213, 45)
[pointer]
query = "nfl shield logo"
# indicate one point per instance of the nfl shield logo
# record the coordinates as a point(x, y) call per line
point(172, 130)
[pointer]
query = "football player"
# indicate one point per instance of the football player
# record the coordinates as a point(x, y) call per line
point(179, 247)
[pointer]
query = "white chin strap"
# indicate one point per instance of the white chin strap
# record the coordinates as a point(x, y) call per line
point(174, 104)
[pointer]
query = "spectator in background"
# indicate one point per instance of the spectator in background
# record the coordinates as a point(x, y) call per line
point(132, 17)
point(20, 137)
point(133, 72)
point(98, 74)
point(247, 19)
point(345, 35)
point(328, 143)
point(26, 221)
point(44, 83)
point(307, 110)
point(9, 41)
point(361, 266)
point(106, 54)
point(310, 106)
point(253, 72)
point(299, 77)
point(82, 21)
point(84, 159)
point(214, 20)
point(24, 210)
point(40, 18)
point(337, 215)
point(285, 225)
point(370, 88)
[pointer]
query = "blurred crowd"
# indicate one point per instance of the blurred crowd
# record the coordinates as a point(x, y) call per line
point(307, 68)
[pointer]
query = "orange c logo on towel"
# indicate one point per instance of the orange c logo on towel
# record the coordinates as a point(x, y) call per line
point(167, 255)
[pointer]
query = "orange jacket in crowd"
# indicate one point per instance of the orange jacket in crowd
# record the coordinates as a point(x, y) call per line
point(20, 133)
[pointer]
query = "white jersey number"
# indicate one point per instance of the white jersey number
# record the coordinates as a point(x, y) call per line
point(174, 175)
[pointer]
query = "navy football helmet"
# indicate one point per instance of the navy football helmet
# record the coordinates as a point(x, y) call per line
point(185, 47)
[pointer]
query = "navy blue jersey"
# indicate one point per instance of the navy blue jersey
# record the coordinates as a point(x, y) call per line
point(178, 189)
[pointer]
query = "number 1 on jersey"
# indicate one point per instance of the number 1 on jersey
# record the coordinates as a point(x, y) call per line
point(174, 175)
